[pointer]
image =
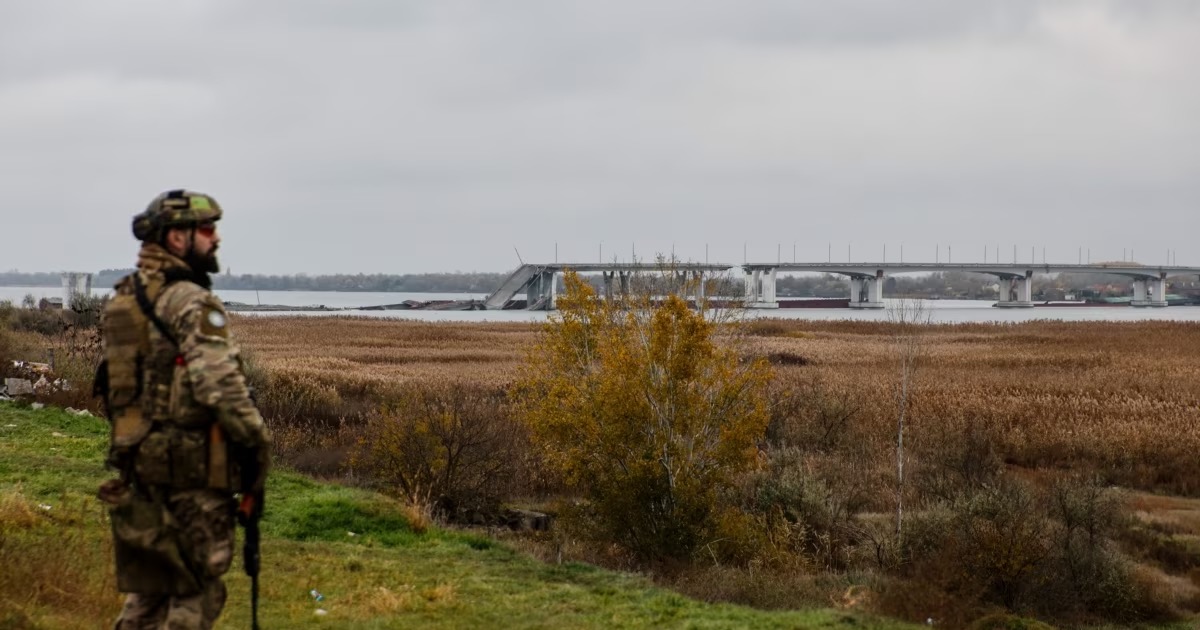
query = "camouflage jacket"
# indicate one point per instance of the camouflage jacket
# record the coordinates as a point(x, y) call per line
point(212, 377)
point(193, 375)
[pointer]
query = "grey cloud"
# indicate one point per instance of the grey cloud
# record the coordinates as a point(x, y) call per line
point(407, 136)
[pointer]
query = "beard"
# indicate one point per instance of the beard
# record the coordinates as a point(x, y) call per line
point(203, 263)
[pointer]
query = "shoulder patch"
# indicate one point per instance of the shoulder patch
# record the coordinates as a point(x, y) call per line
point(213, 323)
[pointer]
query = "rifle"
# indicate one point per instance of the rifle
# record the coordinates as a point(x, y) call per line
point(249, 513)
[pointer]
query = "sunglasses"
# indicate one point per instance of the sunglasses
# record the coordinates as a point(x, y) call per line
point(206, 229)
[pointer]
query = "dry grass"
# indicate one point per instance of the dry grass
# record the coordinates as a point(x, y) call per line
point(1118, 398)
point(362, 353)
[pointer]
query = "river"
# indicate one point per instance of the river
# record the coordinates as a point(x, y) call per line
point(940, 311)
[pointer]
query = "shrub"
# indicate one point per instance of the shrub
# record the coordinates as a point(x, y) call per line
point(813, 416)
point(47, 322)
point(963, 456)
point(999, 537)
point(639, 408)
point(456, 447)
point(1047, 552)
point(810, 499)
point(1083, 573)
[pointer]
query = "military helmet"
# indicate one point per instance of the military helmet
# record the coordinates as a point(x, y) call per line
point(174, 208)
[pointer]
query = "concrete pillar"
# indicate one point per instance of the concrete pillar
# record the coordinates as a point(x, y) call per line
point(1149, 292)
point(75, 284)
point(624, 280)
point(1139, 291)
point(533, 290)
point(867, 292)
point(608, 284)
point(1016, 291)
point(699, 279)
point(760, 289)
point(1158, 287)
point(542, 291)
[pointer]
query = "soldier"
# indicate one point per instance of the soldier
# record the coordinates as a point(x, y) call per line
point(185, 430)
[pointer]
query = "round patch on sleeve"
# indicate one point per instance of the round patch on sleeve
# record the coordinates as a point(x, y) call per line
point(212, 323)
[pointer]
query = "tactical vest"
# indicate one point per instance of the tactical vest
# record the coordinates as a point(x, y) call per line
point(156, 439)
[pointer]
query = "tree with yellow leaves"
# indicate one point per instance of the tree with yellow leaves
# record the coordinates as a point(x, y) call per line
point(640, 408)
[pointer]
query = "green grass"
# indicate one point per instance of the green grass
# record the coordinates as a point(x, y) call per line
point(354, 546)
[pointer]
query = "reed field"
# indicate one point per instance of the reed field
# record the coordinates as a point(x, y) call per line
point(1122, 399)
point(1018, 438)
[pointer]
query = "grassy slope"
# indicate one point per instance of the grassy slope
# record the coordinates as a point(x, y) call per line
point(58, 570)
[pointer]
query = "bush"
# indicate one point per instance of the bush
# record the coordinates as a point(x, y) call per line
point(450, 446)
point(1006, 543)
point(636, 405)
point(47, 322)
point(809, 498)
point(962, 457)
point(815, 417)
point(87, 311)
point(1084, 574)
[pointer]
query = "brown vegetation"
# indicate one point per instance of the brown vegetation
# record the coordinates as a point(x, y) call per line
point(1016, 438)
point(1113, 398)
point(1000, 418)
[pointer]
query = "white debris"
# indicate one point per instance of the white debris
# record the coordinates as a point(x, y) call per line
point(44, 506)
point(57, 434)
point(351, 534)
point(18, 387)
point(320, 612)
point(36, 406)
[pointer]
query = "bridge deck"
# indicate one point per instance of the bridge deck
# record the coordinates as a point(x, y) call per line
point(991, 268)
point(520, 278)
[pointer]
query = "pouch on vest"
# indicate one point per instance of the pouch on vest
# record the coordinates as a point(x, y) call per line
point(189, 458)
point(146, 542)
point(152, 463)
point(126, 343)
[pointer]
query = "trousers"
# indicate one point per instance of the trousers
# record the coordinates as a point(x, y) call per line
point(207, 542)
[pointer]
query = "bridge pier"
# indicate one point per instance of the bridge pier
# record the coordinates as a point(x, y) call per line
point(1150, 292)
point(866, 291)
point(542, 291)
point(760, 288)
point(1016, 291)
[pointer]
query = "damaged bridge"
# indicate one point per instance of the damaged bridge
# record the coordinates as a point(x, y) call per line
point(535, 287)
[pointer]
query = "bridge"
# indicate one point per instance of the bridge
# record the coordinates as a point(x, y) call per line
point(539, 282)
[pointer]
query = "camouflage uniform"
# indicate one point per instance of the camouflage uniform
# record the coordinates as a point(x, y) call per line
point(173, 511)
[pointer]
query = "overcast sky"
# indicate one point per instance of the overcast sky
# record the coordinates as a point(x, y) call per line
point(439, 135)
